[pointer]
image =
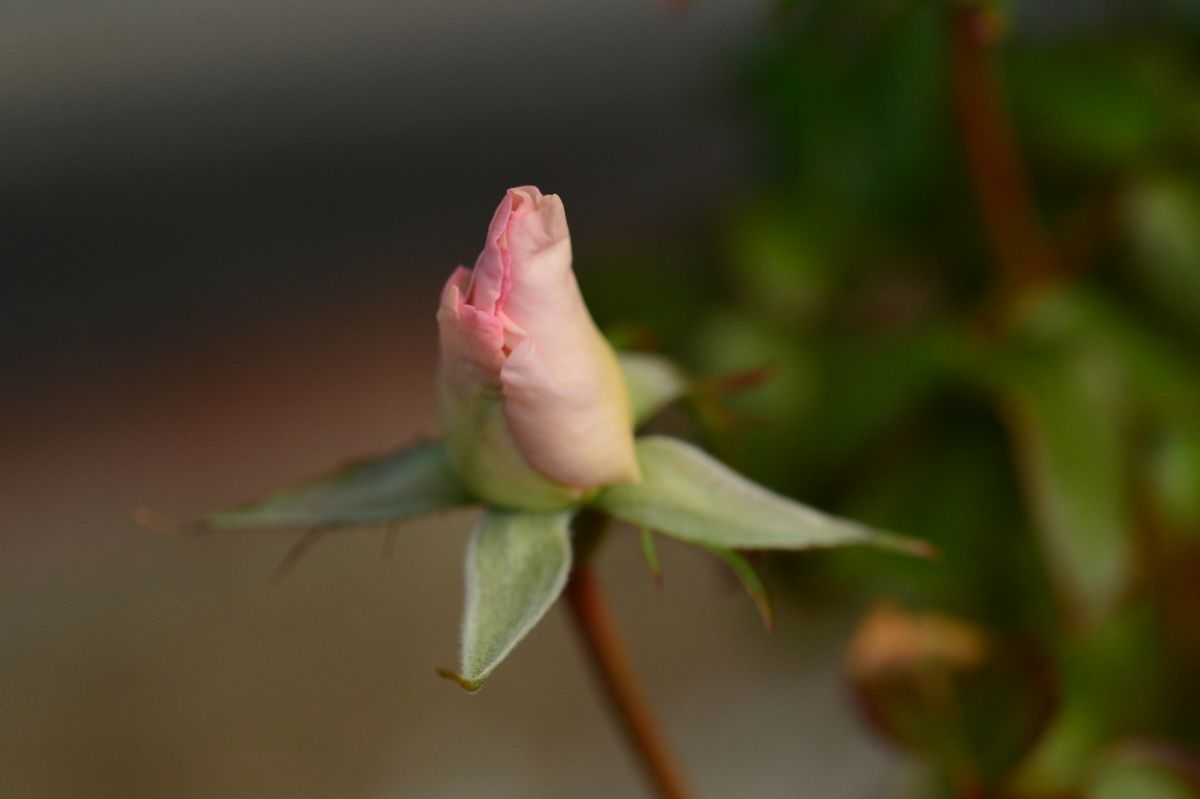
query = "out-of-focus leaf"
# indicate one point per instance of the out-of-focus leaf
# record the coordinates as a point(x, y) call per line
point(1163, 219)
point(960, 493)
point(748, 576)
point(1160, 373)
point(1090, 105)
point(1175, 473)
point(903, 372)
point(637, 319)
point(517, 565)
point(892, 640)
point(781, 265)
point(1141, 780)
point(1068, 427)
point(1160, 377)
point(873, 146)
point(949, 689)
point(731, 342)
point(385, 488)
point(1067, 405)
point(1144, 770)
point(687, 494)
point(1126, 651)
point(653, 382)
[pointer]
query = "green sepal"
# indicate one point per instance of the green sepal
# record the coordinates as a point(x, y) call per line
point(516, 566)
point(383, 488)
point(750, 579)
point(650, 554)
point(687, 494)
point(653, 383)
point(486, 458)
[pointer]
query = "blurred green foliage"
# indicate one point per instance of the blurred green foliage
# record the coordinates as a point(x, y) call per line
point(1044, 433)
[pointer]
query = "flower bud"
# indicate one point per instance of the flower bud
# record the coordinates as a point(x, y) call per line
point(534, 407)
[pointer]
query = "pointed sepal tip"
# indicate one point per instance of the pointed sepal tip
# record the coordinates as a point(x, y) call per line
point(470, 686)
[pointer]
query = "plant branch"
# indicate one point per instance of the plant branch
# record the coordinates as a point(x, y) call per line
point(1023, 250)
point(599, 632)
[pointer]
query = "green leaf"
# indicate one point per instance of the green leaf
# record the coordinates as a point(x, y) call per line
point(748, 576)
point(1143, 780)
point(1146, 769)
point(1175, 473)
point(1090, 105)
point(1161, 373)
point(517, 565)
point(1125, 650)
point(384, 488)
point(653, 382)
point(1162, 214)
point(1066, 412)
point(687, 494)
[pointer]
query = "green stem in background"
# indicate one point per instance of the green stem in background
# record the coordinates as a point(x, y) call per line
point(1024, 252)
point(599, 632)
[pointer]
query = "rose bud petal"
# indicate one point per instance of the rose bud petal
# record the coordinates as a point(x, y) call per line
point(535, 409)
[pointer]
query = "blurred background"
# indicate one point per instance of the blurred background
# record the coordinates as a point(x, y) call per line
point(959, 240)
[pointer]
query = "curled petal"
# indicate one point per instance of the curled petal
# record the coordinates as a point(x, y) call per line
point(532, 394)
point(472, 342)
point(489, 281)
point(573, 426)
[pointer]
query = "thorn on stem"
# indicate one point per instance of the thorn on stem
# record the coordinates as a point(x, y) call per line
point(295, 554)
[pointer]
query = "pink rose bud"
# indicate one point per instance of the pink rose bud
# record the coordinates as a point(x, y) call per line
point(533, 402)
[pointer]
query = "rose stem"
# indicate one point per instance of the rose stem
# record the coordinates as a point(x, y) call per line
point(1024, 254)
point(595, 624)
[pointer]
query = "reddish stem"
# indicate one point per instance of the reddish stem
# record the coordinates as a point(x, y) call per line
point(1023, 250)
point(626, 698)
